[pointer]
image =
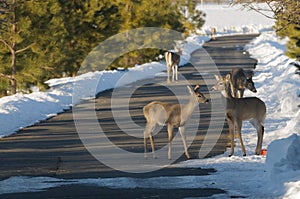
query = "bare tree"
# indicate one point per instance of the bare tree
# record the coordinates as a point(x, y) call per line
point(285, 10)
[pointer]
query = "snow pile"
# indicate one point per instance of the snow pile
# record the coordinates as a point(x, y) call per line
point(283, 165)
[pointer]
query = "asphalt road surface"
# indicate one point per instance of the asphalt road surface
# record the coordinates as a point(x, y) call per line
point(54, 148)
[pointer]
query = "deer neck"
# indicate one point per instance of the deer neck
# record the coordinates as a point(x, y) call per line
point(188, 109)
point(227, 92)
point(229, 99)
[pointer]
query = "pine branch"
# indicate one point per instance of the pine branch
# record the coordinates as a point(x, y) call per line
point(6, 44)
point(23, 49)
point(6, 76)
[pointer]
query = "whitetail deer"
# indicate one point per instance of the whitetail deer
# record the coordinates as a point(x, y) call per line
point(213, 33)
point(172, 61)
point(172, 115)
point(240, 80)
point(240, 109)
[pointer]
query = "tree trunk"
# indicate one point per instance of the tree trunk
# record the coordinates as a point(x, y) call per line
point(13, 80)
point(13, 53)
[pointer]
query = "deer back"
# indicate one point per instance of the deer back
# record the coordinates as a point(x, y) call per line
point(238, 78)
point(162, 113)
point(246, 108)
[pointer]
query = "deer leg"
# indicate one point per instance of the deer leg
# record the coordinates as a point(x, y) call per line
point(239, 128)
point(260, 133)
point(152, 145)
point(231, 134)
point(176, 72)
point(241, 93)
point(173, 73)
point(238, 94)
point(260, 138)
point(145, 148)
point(170, 136)
point(169, 72)
point(148, 133)
point(183, 137)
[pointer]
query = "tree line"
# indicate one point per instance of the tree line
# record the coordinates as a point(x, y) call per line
point(40, 40)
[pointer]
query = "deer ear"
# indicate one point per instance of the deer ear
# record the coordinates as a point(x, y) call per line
point(249, 74)
point(190, 90)
point(197, 87)
point(228, 76)
point(218, 77)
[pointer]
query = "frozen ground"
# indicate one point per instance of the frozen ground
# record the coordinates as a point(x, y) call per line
point(275, 176)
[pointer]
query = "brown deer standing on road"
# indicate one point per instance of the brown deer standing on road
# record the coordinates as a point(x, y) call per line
point(213, 32)
point(172, 115)
point(240, 80)
point(240, 109)
point(172, 61)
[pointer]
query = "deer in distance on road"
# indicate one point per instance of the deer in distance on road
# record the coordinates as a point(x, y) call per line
point(172, 62)
point(172, 115)
point(213, 32)
point(240, 109)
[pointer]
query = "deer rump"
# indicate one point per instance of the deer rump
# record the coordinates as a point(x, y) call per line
point(172, 61)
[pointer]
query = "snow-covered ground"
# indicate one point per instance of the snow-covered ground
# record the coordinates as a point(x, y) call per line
point(234, 19)
point(275, 176)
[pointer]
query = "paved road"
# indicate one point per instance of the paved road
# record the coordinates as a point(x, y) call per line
point(53, 147)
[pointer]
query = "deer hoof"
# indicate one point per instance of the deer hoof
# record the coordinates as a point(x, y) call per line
point(229, 155)
point(244, 155)
point(258, 152)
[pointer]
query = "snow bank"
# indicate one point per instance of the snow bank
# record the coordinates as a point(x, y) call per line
point(20, 110)
point(278, 86)
point(283, 165)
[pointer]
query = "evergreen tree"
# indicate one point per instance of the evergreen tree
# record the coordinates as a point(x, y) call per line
point(12, 42)
point(288, 25)
point(40, 40)
point(45, 31)
point(156, 13)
